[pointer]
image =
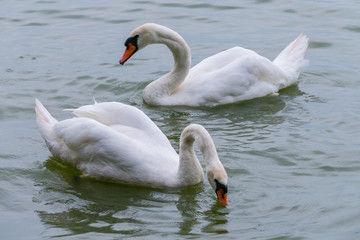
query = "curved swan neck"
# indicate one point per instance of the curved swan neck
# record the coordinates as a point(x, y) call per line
point(167, 84)
point(190, 168)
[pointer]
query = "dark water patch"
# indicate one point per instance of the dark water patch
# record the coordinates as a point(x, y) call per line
point(263, 1)
point(15, 20)
point(118, 21)
point(273, 154)
point(85, 77)
point(288, 237)
point(44, 11)
point(237, 172)
point(145, 2)
point(86, 9)
point(290, 11)
point(172, 5)
point(314, 44)
point(339, 169)
point(112, 65)
point(319, 152)
point(58, 98)
point(74, 16)
point(299, 174)
point(291, 92)
point(10, 157)
point(46, 2)
point(282, 161)
point(35, 24)
point(103, 87)
point(352, 28)
point(79, 80)
point(61, 168)
point(30, 11)
point(216, 7)
point(180, 17)
point(50, 11)
point(255, 109)
point(203, 5)
point(134, 10)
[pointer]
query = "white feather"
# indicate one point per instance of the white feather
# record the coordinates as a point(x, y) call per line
point(118, 142)
point(233, 75)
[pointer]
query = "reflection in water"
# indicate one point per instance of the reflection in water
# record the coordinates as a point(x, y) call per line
point(84, 205)
point(217, 218)
point(71, 205)
point(194, 212)
point(230, 120)
point(262, 111)
point(189, 208)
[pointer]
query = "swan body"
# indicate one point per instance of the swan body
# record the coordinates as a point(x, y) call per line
point(117, 142)
point(230, 76)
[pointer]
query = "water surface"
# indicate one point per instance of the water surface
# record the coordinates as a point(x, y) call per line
point(292, 160)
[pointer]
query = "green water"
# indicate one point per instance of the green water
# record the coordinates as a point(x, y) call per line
point(292, 160)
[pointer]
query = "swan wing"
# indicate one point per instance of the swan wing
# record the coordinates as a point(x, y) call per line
point(123, 118)
point(122, 151)
point(104, 152)
point(229, 76)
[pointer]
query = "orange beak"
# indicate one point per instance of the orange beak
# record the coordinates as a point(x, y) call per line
point(129, 51)
point(222, 196)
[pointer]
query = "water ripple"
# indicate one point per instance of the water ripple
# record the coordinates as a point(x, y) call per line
point(317, 44)
point(285, 155)
point(355, 29)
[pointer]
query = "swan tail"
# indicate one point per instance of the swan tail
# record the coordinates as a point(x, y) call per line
point(89, 111)
point(107, 113)
point(291, 59)
point(45, 121)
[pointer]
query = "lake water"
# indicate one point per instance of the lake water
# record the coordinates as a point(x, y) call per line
point(293, 160)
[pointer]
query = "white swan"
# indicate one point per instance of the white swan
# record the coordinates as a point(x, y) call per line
point(233, 75)
point(117, 142)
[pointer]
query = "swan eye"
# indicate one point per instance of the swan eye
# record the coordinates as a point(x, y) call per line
point(220, 186)
point(133, 40)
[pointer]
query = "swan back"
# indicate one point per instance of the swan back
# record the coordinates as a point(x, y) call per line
point(115, 114)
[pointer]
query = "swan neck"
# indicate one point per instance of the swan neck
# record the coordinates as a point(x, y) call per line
point(181, 54)
point(168, 83)
point(178, 47)
point(190, 168)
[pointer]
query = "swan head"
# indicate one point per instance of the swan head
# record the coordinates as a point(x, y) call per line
point(215, 171)
point(218, 180)
point(140, 37)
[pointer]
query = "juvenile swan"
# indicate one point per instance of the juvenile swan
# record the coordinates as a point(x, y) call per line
point(233, 75)
point(119, 143)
